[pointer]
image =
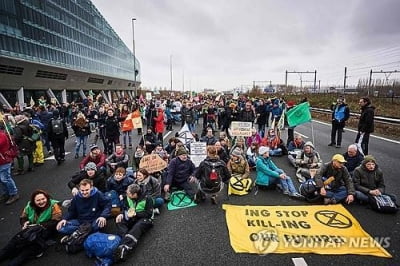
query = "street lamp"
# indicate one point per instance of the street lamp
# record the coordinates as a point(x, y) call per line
point(170, 69)
point(134, 56)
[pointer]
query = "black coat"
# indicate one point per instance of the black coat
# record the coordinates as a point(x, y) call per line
point(366, 123)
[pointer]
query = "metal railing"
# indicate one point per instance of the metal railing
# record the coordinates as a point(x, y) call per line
point(381, 119)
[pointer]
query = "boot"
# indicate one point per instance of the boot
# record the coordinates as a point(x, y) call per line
point(12, 199)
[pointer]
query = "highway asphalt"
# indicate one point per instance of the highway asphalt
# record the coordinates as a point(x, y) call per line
point(199, 235)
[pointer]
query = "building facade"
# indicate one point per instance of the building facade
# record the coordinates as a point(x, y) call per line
point(62, 45)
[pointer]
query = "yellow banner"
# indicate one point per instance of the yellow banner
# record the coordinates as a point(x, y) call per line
point(299, 229)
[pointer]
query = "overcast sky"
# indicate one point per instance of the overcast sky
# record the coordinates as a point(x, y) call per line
point(223, 44)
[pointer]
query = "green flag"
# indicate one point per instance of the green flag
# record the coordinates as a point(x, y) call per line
point(299, 115)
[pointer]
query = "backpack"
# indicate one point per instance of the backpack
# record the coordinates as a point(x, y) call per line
point(102, 246)
point(239, 186)
point(309, 190)
point(74, 242)
point(383, 203)
point(57, 126)
point(212, 181)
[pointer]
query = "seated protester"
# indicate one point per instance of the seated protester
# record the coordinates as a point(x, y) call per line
point(116, 186)
point(134, 221)
point(335, 182)
point(180, 170)
point(254, 138)
point(89, 206)
point(150, 186)
point(90, 172)
point(368, 180)
point(224, 145)
point(295, 147)
point(138, 155)
point(209, 138)
point(308, 160)
point(252, 155)
point(96, 156)
point(225, 142)
point(171, 145)
point(211, 174)
point(223, 155)
point(41, 213)
point(237, 165)
point(148, 140)
point(274, 143)
point(353, 158)
point(161, 152)
point(118, 159)
point(268, 174)
point(179, 145)
point(239, 143)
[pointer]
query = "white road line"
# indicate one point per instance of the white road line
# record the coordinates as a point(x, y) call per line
point(355, 131)
point(299, 262)
point(166, 135)
point(297, 133)
point(53, 158)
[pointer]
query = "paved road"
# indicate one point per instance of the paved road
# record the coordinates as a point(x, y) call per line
point(199, 236)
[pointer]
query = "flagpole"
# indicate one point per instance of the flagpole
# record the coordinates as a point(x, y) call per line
point(312, 133)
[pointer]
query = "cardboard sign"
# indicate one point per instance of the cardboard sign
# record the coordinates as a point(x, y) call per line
point(242, 129)
point(299, 229)
point(152, 163)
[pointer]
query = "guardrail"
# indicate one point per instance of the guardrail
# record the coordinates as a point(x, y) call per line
point(381, 119)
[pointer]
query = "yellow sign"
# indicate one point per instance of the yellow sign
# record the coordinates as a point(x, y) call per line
point(152, 163)
point(241, 129)
point(300, 229)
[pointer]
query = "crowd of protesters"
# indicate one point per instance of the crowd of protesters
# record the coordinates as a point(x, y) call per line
point(110, 180)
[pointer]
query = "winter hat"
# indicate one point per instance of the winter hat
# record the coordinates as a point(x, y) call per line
point(181, 151)
point(90, 166)
point(93, 147)
point(263, 150)
point(237, 152)
point(369, 158)
point(309, 143)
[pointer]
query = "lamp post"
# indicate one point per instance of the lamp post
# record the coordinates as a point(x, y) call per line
point(170, 69)
point(134, 56)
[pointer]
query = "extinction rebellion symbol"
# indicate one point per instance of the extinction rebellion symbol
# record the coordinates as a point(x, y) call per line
point(333, 219)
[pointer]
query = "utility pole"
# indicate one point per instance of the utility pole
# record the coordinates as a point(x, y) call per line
point(301, 80)
point(183, 81)
point(379, 72)
point(315, 80)
point(319, 85)
point(344, 82)
point(170, 69)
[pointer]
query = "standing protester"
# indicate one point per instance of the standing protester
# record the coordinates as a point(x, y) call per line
point(366, 123)
point(261, 114)
point(26, 145)
point(340, 114)
point(159, 124)
point(45, 118)
point(58, 133)
point(9, 193)
point(112, 133)
point(82, 131)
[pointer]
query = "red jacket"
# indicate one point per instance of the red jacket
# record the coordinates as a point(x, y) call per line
point(159, 127)
point(100, 161)
point(4, 146)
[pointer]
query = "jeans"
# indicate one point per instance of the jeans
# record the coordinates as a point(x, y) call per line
point(20, 161)
point(73, 225)
point(261, 130)
point(191, 127)
point(81, 141)
point(287, 185)
point(127, 135)
point(338, 194)
point(6, 180)
point(363, 198)
point(158, 202)
point(275, 152)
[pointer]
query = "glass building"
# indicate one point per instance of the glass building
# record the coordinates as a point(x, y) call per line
point(61, 44)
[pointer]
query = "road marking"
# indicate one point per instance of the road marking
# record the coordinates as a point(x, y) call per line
point(299, 262)
point(166, 135)
point(297, 133)
point(53, 158)
point(355, 131)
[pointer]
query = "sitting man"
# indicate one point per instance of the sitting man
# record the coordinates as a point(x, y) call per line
point(209, 138)
point(368, 180)
point(119, 158)
point(90, 172)
point(96, 156)
point(335, 182)
point(353, 158)
point(89, 206)
point(180, 174)
point(308, 161)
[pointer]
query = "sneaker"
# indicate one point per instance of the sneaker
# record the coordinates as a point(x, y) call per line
point(286, 192)
point(19, 172)
point(296, 195)
point(328, 201)
point(12, 199)
point(331, 144)
point(338, 146)
point(120, 253)
point(66, 203)
point(39, 255)
point(214, 199)
point(156, 211)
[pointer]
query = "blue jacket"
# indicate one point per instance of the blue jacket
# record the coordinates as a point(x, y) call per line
point(179, 171)
point(45, 118)
point(118, 186)
point(353, 162)
point(267, 171)
point(89, 209)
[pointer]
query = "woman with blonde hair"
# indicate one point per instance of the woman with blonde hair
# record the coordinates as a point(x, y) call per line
point(82, 131)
